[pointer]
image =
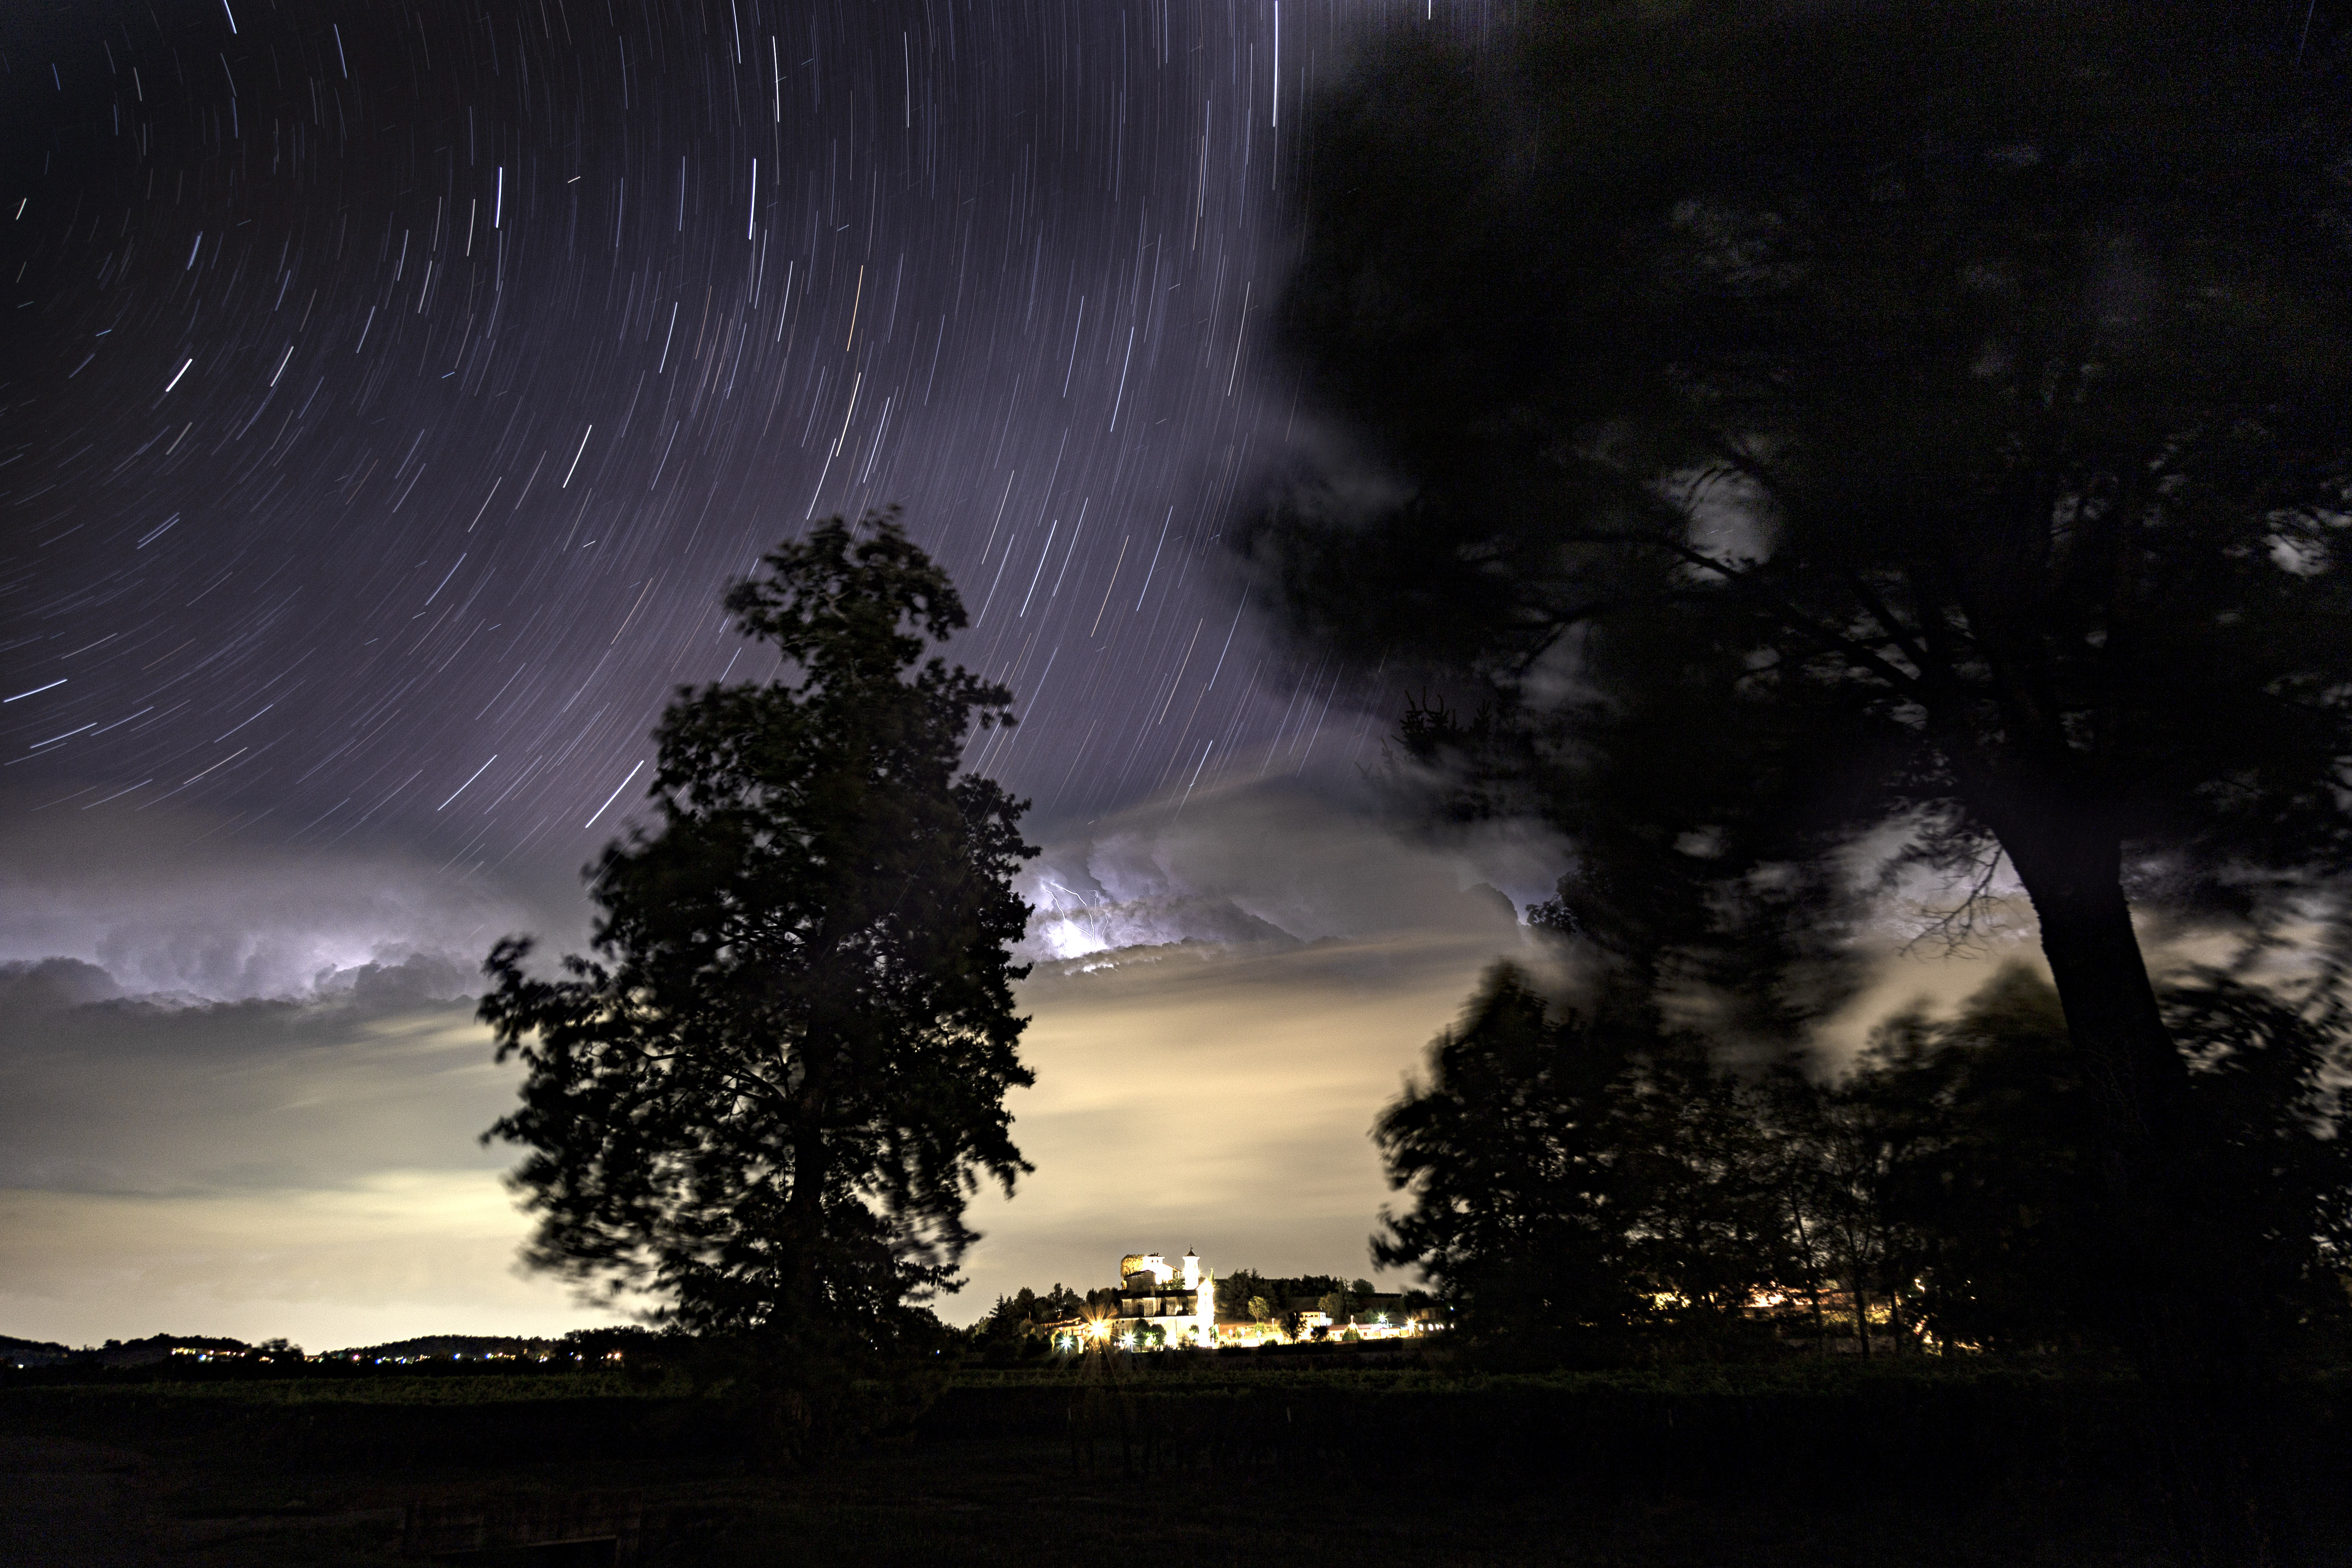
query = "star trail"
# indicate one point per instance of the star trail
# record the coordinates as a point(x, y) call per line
point(390, 391)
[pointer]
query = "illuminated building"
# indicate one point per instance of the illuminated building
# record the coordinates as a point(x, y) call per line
point(1179, 1299)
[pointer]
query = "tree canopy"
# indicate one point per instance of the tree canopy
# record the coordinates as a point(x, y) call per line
point(1567, 1172)
point(1804, 428)
point(1565, 1177)
point(767, 1095)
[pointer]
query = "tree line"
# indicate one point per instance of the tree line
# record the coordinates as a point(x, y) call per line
point(1913, 482)
point(1572, 1178)
point(1925, 467)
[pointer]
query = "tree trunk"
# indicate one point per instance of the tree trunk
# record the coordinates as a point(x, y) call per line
point(2136, 1077)
point(804, 1210)
point(2138, 1084)
point(1812, 1275)
point(1857, 1294)
point(2167, 1277)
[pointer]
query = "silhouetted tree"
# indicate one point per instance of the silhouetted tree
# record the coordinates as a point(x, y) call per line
point(1792, 421)
point(767, 1097)
point(1839, 1146)
point(1939, 1184)
point(1696, 1189)
point(1566, 1175)
point(1978, 1186)
point(1505, 1150)
point(1236, 1288)
point(1025, 1314)
point(2274, 1145)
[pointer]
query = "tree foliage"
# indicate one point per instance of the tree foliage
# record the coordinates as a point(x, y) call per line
point(1503, 1148)
point(768, 1095)
point(1796, 421)
point(1561, 1178)
point(1566, 1175)
point(1027, 1312)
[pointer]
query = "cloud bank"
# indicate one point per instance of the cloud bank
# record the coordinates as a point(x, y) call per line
point(302, 1166)
point(1259, 864)
point(167, 908)
point(243, 1095)
point(1222, 1000)
point(241, 1090)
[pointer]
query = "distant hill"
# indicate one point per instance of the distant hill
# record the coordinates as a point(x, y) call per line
point(581, 1345)
point(449, 1347)
point(163, 1347)
point(131, 1353)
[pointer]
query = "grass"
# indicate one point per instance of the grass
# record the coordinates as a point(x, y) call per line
point(989, 1504)
point(1794, 1375)
point(1236, 1460)
point(951, 1504)
point(490, 1389)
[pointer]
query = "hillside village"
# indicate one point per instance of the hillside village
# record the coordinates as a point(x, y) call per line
point(206, 1350)
point(1159, 1304)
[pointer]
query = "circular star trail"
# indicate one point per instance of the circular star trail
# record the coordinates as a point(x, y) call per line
point(391, 391)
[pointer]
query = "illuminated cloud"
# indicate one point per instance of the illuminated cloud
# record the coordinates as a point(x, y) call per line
point(241, 1090)
point(266, 1166)
point(1223, 1001)
point(167, 906)
point(1254, 864)
point(1238, 1003)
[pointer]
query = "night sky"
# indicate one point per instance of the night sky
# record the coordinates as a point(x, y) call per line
point(389, 394)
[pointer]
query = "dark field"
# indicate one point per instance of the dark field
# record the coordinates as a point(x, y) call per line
point(1293, 1461)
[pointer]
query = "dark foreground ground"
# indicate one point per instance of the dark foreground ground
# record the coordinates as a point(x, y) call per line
point(1208, 1467)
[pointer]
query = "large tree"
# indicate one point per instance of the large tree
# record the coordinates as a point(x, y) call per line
point(1798, 423)
point(766, 1098)
point(1504, 1150)
point(1566, 1173)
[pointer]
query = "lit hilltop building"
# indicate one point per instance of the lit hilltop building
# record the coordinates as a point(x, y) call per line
point(1152, 1295)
